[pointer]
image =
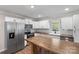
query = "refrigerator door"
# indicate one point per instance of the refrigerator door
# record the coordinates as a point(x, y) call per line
point(20, 36)
point(14, 36)
point(76, 28)
point(10, 36)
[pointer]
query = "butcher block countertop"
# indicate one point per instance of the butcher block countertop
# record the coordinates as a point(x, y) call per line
point(55, 45)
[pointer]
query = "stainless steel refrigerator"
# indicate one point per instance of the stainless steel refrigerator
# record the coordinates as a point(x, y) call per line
point(14, 36)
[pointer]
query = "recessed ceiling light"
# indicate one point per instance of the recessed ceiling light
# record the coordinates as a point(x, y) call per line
point(32, 6)
point(39, 15)
point(66, 9)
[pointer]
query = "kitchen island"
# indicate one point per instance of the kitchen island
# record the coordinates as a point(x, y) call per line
point(50, 45)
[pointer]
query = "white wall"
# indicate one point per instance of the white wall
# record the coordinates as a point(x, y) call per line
point(2, 37)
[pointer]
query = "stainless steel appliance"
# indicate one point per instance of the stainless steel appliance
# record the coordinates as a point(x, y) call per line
point(14, 36)
point(29, 30)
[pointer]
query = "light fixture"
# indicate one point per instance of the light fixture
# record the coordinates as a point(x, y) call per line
point(66, 9)
point(32, 6)
point(39, 15)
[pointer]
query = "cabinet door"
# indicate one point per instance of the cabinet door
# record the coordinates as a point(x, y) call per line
point(30, 22)
point(66, 23)
point(41, 24)
point(44, 24)
point(10, 36)
point(76, 28)
point(35, 25)
point(9, 19)
point(26, 21)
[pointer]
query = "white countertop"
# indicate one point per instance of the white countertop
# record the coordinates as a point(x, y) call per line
point(53, 33)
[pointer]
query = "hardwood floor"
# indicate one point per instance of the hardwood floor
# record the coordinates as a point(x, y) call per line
point(26, 50)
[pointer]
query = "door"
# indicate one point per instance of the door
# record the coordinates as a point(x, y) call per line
point(20, 36)
point(10, 36)
point(76, 28)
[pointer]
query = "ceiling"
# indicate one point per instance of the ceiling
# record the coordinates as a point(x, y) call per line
point(43, 10)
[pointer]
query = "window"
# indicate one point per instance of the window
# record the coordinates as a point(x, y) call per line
point(55, 25)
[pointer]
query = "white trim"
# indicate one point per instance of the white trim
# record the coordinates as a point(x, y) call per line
point(2, 50)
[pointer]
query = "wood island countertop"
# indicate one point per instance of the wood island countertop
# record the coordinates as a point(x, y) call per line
point(55, 45)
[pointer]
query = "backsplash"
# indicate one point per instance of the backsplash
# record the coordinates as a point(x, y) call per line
point(42, 30)
point(69, 32)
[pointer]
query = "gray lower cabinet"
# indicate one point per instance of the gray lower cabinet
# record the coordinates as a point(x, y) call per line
point(66, 38)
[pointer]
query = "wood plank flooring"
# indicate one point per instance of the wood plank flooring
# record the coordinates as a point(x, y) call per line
point(26, 50)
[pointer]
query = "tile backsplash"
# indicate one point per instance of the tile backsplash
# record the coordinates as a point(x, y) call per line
point(69, 32)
